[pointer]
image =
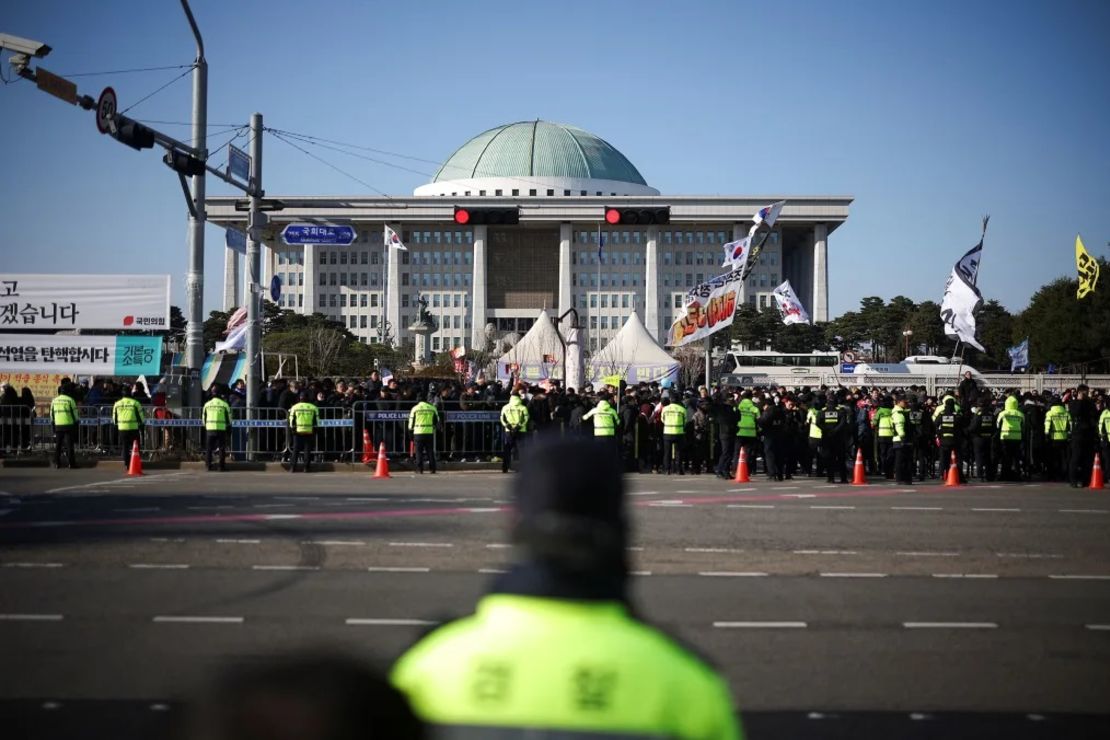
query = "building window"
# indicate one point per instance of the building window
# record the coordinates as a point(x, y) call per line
point(343, 300)
point(361, 322)
point(363, 300)
point(550, 192)
point(532, 191)
point(593, 325)
point(323, 278)
point(343, 278)
point(404, 278)
point(332, 302)
point(435, 300)
point(364, 257)
point(332, 278)
point(323, 258)
point(593, 300)
point(323, 301)
point(516, 192)
point(497, 192)
point(624, 301)
point(342, 258)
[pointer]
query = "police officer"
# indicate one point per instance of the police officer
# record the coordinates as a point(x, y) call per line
point(65, 418)
point(555, 649)
point(981, 429)
point(304, 417)
point(1011, 431)
point(813, 423)
point(834, 423)
point(949, 435)
point(1083, 420)
point(514, 424)
point(605, 420)
point(1104, 433)
point(127, 413)
point(901, 440)
point(1057, 430)
point(423, 420)
point(216, 417)
point(747, 427)
point(884, 436)
point(772, 422)
point(724, 415)
point(674, 435)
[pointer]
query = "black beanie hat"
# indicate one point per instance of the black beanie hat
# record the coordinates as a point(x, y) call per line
point(569, 501)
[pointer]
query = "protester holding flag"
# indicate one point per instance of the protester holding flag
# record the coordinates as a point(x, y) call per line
point(1087, 267)
point(962, 298)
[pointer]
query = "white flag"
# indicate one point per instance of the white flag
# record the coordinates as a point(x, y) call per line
point(392, 240)
point(736, 253)
point(767, 215)
point(236, 340)
point(962, 299)
point(789, 305)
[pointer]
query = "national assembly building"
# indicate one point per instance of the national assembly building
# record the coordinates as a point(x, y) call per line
point(515, 222)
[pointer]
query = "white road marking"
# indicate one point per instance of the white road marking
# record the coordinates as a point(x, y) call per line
point(389, 622)
point(274, 506)
point(51, 705)
point(643, 493)
point(1030, 555)
point(1085, 511)
point(421, 544)
point(1081, 578)
point(799, 495)
point(964, 575)
point(214, 507)
point(138, 510)
point(167, 539)
point(640, 572)
point(159, 707)
point(367, 499)
point(498, 546)
point(919, 716)
point(989, 509)
point(825, 552)
point(926, 554)
point(786, 488)
point(815, 506)
point(712, 549)
point(669, 505)
point(283, 516)
point(296, 498)
point(170, 619)
point(749, 506)
point(917, 508)
point(491, 571)
point(740, 490)
point(950, 625)
point(483, 510)
point(760, 625)
point(334, 543)
point(634, 549)
point(239, 542)
point(30, 617)
point(158, 566)
point(1098, 627)
point(115, 482)
point(33, 565)
point(285, 567)
point(731, 574)
point(852, 575)
point(397, 569)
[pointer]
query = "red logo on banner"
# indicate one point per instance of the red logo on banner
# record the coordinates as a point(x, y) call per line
point(128, 320)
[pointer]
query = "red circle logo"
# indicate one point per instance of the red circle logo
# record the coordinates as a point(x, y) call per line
point(128, 320)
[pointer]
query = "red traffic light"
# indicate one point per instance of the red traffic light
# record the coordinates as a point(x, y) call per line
point(638, 215)
point(612, 215)
point(462, 216)
point(487, 216)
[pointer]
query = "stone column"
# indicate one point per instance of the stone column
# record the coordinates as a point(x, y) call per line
point(820, 308)
point(566, 289)
point(478, 291)
point(231, 279)
point(393, 291)
point(651, 282)
point(311, 257)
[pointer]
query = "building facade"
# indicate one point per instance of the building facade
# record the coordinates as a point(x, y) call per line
point(561, 255)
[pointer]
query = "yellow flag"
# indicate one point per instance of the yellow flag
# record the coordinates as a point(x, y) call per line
point(613, 380)
point(1087, 266)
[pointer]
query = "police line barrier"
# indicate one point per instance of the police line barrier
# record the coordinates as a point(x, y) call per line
point(464, 433)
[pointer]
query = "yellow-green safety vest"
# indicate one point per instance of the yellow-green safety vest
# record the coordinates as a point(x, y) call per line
point(217, 415)
point(514, 415)
point(605, 419)
point(1057, 424)
point(528, 667)
point(883, 423)
point(813, 418)
point(423, 418)
point(1010, 422)
point(674, 419)
point(746, 425)
point(127, 413)
point(304, 417)
point(63, 411)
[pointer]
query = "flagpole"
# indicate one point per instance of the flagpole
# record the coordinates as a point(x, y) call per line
point(974, 283)
point(600, 245)
point(385, 278)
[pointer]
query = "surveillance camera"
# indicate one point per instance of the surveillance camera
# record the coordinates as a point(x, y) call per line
point(26, 47)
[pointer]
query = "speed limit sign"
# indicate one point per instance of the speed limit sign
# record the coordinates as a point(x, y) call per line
point(105, 110)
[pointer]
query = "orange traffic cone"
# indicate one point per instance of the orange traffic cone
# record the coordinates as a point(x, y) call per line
point(859, 473)
point(367, 447)
point(742, 475)
point(953, 479)
point(1096, 474)
point(412, 448)
point(383, 463)
point(136, 466)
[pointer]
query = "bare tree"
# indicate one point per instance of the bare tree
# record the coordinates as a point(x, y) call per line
point(691, 362)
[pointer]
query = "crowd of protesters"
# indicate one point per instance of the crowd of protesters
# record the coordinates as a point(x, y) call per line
point(905, 434)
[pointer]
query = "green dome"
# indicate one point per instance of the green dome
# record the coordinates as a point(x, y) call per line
point(538, 149)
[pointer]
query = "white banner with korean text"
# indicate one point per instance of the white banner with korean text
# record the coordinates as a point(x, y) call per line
point(125, 355)
point(709, 308)
point(49, 302)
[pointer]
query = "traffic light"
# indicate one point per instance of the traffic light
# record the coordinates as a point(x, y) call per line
point(465, 216)
point(616, 216)
point(183, 163)
point(133, 134)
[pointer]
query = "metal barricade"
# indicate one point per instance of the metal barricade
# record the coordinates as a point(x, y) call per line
point(468, 432)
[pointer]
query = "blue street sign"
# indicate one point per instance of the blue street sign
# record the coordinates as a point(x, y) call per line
point(275, 289)
point(238, 164)
point(294, 234)
point(237, 240)
point(847, 367)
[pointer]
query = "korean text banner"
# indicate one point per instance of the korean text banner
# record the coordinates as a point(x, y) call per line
point(84, 302)
point(80, 355)
point(709, 308)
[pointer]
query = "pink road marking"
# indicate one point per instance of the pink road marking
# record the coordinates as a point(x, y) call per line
point(232, 518)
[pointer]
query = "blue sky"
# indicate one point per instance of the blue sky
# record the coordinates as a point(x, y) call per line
point(929, 114)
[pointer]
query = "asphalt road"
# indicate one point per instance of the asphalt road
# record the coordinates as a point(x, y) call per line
point(834, 611)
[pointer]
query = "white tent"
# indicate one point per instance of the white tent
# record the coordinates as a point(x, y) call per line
point(633, 355)
point(537, 356)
